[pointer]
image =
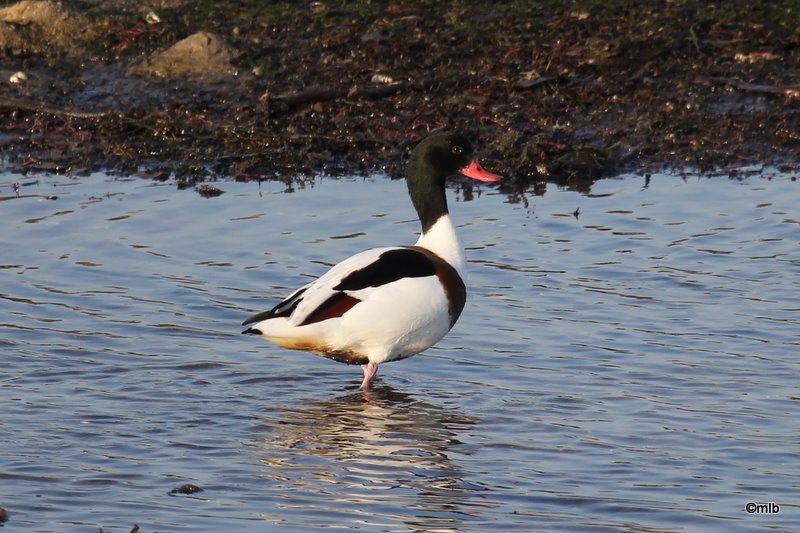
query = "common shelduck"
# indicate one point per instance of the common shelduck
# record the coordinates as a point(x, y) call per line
point(386, 304)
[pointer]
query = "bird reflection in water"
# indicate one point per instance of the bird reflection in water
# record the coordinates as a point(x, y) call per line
point(377, 457)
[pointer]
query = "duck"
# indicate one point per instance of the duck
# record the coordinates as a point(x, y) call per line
point(389, 303)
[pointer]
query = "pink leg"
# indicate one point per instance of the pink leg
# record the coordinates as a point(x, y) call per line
point(370, 370)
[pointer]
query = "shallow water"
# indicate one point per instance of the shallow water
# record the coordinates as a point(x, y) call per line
point(627, 361)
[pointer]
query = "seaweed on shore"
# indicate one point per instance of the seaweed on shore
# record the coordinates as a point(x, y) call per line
point(565, 92)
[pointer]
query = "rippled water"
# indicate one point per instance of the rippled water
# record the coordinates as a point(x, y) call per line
point(627, 361)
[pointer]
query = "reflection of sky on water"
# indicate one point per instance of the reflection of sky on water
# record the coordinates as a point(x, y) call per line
point(382, 450)
point(629, 369)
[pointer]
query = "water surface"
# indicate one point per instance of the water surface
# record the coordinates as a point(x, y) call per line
point(627, 361)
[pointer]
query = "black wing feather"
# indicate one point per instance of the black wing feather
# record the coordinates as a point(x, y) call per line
point(285, 308)
point(390, 266)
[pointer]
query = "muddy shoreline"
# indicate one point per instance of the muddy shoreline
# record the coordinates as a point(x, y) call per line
point(552, 92)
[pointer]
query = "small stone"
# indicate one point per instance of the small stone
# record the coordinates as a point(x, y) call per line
point(381, 78)
point(200, 53)
point(186, 488)
point(18, 78)
point(209, 191)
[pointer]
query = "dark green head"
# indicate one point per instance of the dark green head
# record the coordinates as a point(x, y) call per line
point(432, 161)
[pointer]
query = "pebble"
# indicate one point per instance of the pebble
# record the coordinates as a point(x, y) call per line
point(18, 77)
point(186, 488)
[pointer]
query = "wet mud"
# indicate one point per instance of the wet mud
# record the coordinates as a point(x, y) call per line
point(551, 91)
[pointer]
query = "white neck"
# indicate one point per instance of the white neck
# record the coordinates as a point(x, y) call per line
point(443, 240)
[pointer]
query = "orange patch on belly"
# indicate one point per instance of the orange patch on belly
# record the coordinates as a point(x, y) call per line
point(317, 348)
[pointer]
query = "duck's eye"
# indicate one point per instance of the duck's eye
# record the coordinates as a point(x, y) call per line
point(457, 149)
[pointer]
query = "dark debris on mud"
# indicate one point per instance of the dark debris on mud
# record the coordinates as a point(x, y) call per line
point(551, 91)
